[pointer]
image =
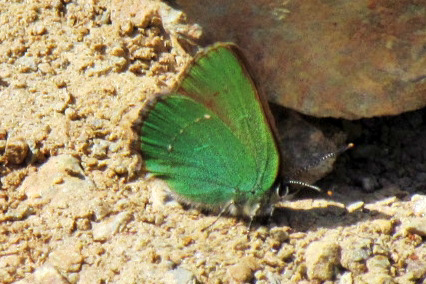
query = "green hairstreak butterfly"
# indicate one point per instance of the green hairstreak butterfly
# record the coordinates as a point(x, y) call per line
point(213, 139)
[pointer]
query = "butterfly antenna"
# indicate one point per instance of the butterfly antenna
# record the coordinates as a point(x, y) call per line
point(310, 166)
point(303, 184)
point(322, 159)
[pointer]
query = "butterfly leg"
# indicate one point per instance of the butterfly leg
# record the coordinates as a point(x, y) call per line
point(224, 210)
point(252, 216)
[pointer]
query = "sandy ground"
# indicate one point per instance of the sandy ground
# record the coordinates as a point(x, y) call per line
point(76, 206)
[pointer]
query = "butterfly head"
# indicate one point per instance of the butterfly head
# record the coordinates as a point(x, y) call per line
point(259, 204)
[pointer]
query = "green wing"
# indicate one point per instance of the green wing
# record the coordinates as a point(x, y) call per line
point(211, 141)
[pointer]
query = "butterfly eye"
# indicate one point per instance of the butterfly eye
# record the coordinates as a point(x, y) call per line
point(282, 189)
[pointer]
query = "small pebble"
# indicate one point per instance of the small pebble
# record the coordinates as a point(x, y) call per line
point(27, 65)
point(355, 251)
point(66, 259)
point(101, 210)
point(387, 201)
point(16, 151)
point(91, 162)
point(45, 68)
point(120, 170)
point(297, 235)
point(372, 277)
point(243, 270)
point(83, 224)
point(127, 28)
point(3, 134)
point(117, 51)
point(60, 83)
point(322, 259)
point(415, 225)
point(279, 235)
point(285, 252)
point(415, 267)
point(419, 205)
point(382, 226)
point(180, 276)
point(346, 278)
point(39, 30)
point(71, 114)
point(378, 263)
point(261, 233)
point(18, 214)
point(109, 227)
point(46, 274)
point(355, 206)
point(99, 150)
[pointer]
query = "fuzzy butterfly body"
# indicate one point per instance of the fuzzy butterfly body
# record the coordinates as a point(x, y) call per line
point(211, 140)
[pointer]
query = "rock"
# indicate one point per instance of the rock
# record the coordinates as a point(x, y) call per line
point(61, 184)
point(382, 226)
point(374, 278)
point(355, 206)
point(180, 276)
point(303, 145)
point(419, 204)
point(27, 64)
point(346, 278)
point(101, 210)
point(9, 265)
point(99, 149)
point(243, 270)
point(285, 252)
point(44, 274)
point(279, 235)
point(322, 257)
point(415, 225)
point(66, 259)
point(61, 173)
point(16, 151)
point(354, 253)
point(415, 266)
point(327, 59)
point(107, 228)
point(161, 195)
point(3, 134)
point(378, 263)
point(18, 214)
point(145, 12)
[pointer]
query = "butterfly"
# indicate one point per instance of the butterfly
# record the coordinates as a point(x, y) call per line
point(213, 139)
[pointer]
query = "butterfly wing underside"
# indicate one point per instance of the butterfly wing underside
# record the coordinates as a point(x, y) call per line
point(210, 140)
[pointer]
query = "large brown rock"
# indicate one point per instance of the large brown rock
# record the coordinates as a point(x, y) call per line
point(348, 59)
